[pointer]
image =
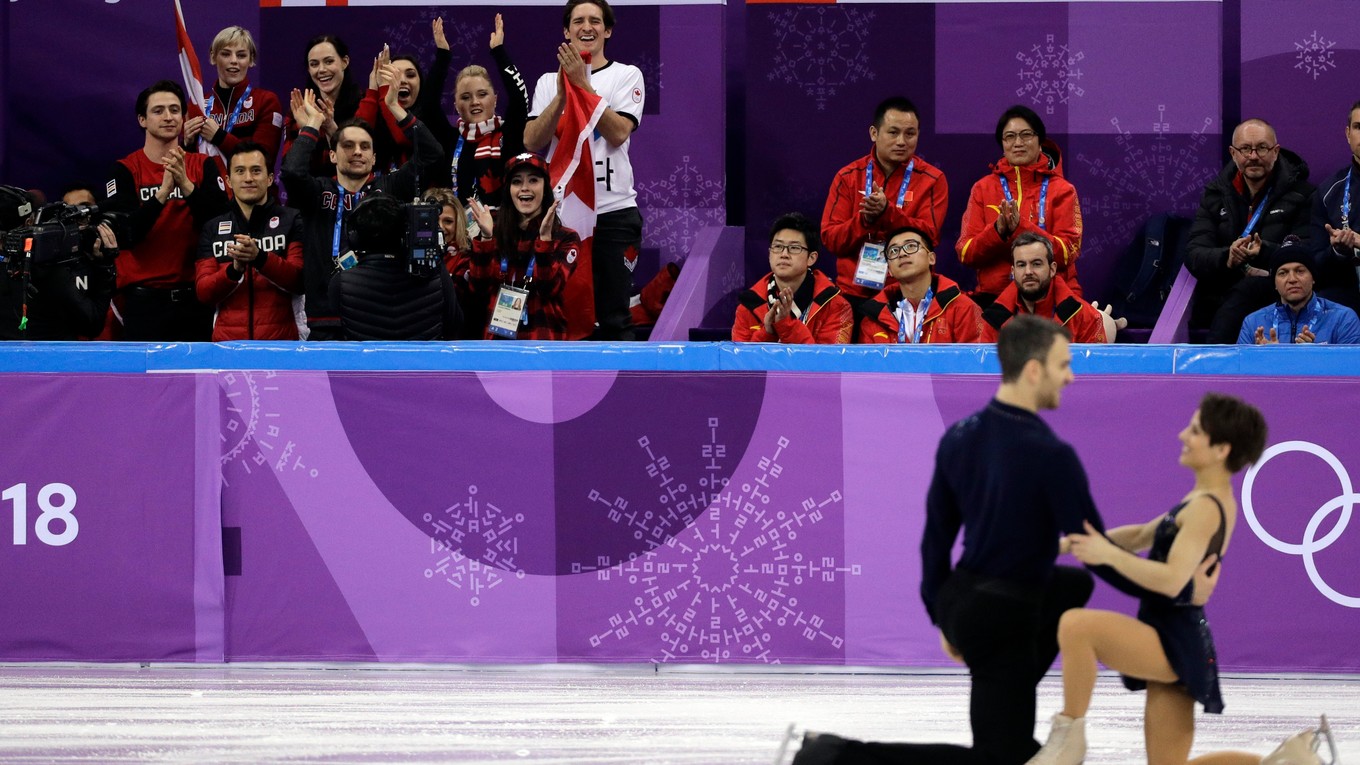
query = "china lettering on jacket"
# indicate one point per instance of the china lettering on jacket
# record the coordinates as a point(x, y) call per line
point(147, 192)
point(275, 243)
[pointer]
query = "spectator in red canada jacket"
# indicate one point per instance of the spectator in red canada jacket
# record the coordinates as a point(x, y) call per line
point(168, 196)
point(794, 303)
point(1025, 193)
point(922, 307)
point(250, 260)
point(521, 258)
point(1039, 290)
point(236, 110)
point(889, 188)
point(453, 221)
point(337, 95)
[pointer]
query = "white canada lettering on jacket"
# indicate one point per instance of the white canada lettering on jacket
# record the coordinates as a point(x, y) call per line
point(148, 192)
point(276, 243)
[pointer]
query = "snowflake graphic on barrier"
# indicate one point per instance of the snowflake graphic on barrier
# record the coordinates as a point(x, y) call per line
point(724, 570)
point(476, 545)
point(821, 49)
point(467, 42)
point(1315, 55)
point(1049, 73)
point(1158, 171)
point(251, 434)
point(652, 70)
point(678, 207)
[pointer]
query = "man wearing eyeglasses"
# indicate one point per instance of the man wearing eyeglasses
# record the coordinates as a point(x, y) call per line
point(1336, 224)
point(1261, 196)
point(1037, 290)
point(889, 188)
point(923, 306)
point(794, 303)
point(1025, 193)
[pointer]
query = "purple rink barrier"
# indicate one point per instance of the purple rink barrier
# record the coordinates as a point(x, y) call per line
point(708, 503)
point(111, 548)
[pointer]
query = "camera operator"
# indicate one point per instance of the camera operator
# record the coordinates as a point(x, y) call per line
point(380, 298)
point(56, 278)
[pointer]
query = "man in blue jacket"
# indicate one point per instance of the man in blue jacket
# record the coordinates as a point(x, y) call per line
point(1301, 315)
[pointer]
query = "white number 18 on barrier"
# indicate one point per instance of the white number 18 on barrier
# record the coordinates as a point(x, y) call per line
point(56, 501)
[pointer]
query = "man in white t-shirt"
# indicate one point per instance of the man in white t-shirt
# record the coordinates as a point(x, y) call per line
point(587, 24)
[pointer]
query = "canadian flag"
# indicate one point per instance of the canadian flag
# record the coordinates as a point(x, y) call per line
point(571, 167)
point(193, 79)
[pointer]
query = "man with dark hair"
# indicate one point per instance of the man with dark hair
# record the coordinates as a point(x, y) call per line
point(250, 259)
point(1336, 224)
point(380, 299)
point(617, 242)
point(1261, 196)
point(79, 194)
point(325, 201)
point(1301, 315)
point(883, 191)
point(794, 303)
point(1025, 193)
point(168, 195)
point(923, 306)
point(1012, 486)
point(1037, 289)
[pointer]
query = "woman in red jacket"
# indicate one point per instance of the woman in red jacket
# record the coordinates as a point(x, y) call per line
point(1025, 191)
point(522, 256)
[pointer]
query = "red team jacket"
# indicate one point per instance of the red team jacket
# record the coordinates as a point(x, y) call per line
point(165, 237)
point(952, 317)
point(827, 317)
point(257, 305)
point(260, 119)
point(1060, 305)
point(844, 231)
point(552, 264)
point(982, 248)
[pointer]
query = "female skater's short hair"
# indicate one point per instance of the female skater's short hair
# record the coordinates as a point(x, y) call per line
point(1232, 421)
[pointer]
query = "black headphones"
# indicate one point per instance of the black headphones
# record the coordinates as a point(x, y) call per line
point(15, 207)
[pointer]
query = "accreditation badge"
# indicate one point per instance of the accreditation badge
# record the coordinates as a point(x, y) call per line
point(872, 270)
point(512, 310)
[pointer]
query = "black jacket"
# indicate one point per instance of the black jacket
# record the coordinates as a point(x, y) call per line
point(317, 199)
point(1223, 214)
point(379, 300)
point(66, 301)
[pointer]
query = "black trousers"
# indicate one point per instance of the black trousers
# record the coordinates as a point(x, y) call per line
point(615, 233)
point(165, 315)
point(1008, 635)
point(1249, 294)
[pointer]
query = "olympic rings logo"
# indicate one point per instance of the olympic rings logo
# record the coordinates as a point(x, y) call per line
point(1310, 545)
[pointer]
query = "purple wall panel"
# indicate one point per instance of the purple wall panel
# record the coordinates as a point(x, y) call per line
point(747, 518)
point(122, 584)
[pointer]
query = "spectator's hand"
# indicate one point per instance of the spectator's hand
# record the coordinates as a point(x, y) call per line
point(1092, 548)
point(1237, 252)
point(1305, 335)
point(327, 110)
point(1266, 339)
point(545, 229)
point(1343, 237)
point(1008, 219)
point(498, 35)
point(1253, 246)
point(873, 205)
point(949, 649)
point(483, 218)
point(193, 128)
point(243, 251)
point(440, 41)
point(210, 128)
point(1205, 581)
point(306, 112)
point(105, 243)
point(1119, 323)
point(573, 67)
point(387, 77)
point(174, 167)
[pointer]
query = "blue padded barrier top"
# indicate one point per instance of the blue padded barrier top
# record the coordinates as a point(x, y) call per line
point(1273, 361)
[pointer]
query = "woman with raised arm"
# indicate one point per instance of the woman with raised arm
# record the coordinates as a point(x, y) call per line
point(522, 255)
point(337, 95)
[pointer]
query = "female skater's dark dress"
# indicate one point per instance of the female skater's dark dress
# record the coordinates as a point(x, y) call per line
point(1183, 630)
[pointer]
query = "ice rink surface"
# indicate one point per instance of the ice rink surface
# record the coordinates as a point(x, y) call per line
point(51, 713)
